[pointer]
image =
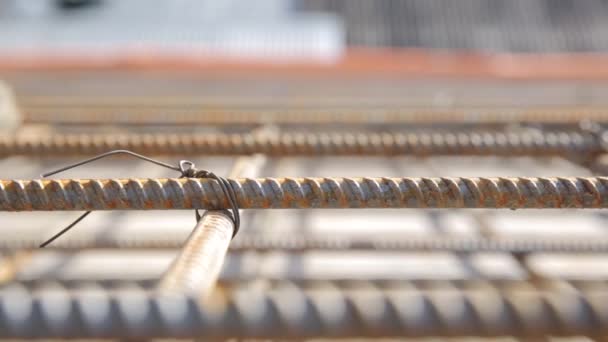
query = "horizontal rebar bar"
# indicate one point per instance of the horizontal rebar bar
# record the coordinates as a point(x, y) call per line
point(502, 143)
point(289, 311)
point(297, 243)
point(262, 193)
point(95, 112)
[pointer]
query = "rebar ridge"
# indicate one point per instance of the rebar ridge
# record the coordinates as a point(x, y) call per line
point(260, 193)
point(289, 311)
point(471, 142)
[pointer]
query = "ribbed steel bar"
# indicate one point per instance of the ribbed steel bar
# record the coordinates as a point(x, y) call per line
point(323, 311)
point(146, 194)
point(296, 243)
point(502, 143)
point(196, 269)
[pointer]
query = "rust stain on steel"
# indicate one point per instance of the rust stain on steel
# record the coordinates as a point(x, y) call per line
point(259, 193)
point(465, 142)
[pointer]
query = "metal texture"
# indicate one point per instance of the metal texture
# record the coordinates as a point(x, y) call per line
point(307, 243)
point(460, 142)
point(197, 267)
point(261, 193)
point(288, 311)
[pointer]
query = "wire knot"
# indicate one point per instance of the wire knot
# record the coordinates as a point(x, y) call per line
point(189, 170)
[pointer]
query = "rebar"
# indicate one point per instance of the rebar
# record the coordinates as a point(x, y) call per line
point(96, 112)
point(478, 142)
point(297, 243)
point(263, 193)
point(289, 311)
point(196, 269)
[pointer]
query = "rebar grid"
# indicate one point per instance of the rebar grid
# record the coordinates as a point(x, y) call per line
point(323, 311)
point(261, 193)
point(476, 142)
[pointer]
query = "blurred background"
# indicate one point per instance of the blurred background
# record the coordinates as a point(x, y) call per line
point(526, 81)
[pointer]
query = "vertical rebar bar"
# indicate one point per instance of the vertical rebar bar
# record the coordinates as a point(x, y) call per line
point(197, 267)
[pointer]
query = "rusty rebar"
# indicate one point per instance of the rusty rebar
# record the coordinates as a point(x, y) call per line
point(221, 114)
point(288, 311)
point(459, 142)
point(262, 193)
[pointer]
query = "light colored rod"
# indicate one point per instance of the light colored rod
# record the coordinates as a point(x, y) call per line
point(297, 193)
point(197, 267)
